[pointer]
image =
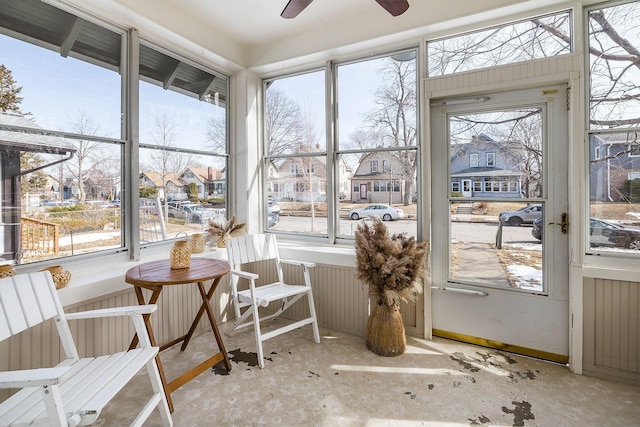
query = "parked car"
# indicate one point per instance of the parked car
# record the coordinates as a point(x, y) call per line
point(387, 213)
point(272, 219)
point(536, 231)
point(525, 215)
point(192, 212)
point(603, 234)
point(273, 207)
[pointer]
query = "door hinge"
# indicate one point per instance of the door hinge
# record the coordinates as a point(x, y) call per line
point(568, 98)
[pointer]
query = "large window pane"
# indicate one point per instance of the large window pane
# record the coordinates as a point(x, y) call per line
point(615, 192)
point(296, 186)
point(614, 111)
point(536, 38)
point(614, 43)
point(183, 138)
point(377, 143)
point(60, 195)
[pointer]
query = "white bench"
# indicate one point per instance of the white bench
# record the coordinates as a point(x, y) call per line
point(75, 391)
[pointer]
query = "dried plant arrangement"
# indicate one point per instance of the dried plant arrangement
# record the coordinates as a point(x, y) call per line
point(393, 268)
point(391, 265)
point(217, 228)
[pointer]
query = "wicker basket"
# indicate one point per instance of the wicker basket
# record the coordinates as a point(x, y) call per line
point(222, 241)
point(197, 243)
point(60, 276)
point(7, 270)
point(385, 334)
point(180, 253)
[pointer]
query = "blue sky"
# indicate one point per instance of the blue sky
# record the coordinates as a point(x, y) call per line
point(55, 90)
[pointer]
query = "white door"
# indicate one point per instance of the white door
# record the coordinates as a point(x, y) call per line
point(494, 282)
point(466, 188)
point(363, 191)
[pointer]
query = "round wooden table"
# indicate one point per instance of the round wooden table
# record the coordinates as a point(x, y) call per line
point(154, 276)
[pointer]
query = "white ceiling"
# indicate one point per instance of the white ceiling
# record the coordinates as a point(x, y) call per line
point(251, 33)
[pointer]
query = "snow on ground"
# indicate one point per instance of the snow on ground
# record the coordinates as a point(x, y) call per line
point(634, 214)
point(526, 277)
point(525, 246)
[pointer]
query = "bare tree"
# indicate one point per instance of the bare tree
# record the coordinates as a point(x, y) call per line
point(217, 134)
point(393, 119)
point(615, 66)
point(163, 160)
point(285, 123)
point(87, 152)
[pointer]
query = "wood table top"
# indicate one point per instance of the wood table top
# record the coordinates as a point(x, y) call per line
point(159, 273)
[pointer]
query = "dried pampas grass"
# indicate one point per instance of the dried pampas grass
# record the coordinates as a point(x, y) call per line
point(391, 265)
point(224, 228)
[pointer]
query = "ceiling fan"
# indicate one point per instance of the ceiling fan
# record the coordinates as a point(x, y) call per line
point(394, 7)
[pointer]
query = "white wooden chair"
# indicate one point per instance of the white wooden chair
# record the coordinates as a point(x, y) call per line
point(75, 391)
point(263, 247)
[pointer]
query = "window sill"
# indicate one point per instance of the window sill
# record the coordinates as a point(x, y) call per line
point(612, 268)
point(93, 279)
point(336, 255)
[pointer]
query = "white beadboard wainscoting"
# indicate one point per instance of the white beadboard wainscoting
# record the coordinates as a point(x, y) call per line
point(611, 329)
point(341, 303)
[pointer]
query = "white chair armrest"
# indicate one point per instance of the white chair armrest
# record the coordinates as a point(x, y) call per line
point(244, 274)
point(294, 262)
point(33, 377)
point(115, 311)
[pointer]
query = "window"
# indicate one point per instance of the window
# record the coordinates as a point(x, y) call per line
point(75, 204)
point(491, 160)
point(614, 117)
point(455, 187)
point(477, 186)
point(473, 160)
point(69, 186)
point(183, 143)
point(536, 38)
point(381, 142)
point(377, 123)
point(295, 142)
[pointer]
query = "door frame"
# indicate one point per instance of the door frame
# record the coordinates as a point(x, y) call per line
point(437, 179)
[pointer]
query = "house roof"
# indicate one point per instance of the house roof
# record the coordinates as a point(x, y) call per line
point(203, 174)
point(156, 178)
point(21, 133)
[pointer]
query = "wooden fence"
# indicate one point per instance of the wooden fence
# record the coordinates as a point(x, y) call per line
point(40, 236)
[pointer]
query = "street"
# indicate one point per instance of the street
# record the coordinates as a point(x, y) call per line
point(481, 232)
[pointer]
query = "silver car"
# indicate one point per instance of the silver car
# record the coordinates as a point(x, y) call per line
point(387, 213)
point(525, 215)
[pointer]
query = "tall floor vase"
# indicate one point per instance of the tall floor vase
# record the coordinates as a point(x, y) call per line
point(385, 331)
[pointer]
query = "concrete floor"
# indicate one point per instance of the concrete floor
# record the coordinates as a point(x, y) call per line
point(340, 383)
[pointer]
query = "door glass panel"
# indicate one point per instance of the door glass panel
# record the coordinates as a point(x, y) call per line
point(496, 226)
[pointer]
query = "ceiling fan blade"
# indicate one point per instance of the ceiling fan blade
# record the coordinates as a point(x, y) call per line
point(294, 7)
point(394, 7)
